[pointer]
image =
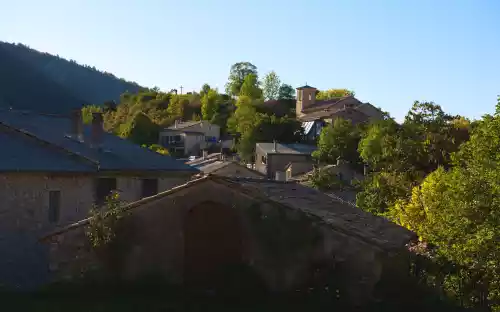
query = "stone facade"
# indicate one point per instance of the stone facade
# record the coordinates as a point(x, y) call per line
point(25, 217)
point(276, 162)
point(188, 229)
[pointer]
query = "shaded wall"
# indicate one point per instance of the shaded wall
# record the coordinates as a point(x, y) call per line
point(283, 247)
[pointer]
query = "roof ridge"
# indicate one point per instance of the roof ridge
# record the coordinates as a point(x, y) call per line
point(33, 136)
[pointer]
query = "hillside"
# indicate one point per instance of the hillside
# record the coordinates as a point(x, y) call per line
point(24, 87)
point(30, 79)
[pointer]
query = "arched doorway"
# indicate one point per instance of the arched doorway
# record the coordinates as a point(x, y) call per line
point(213, 244)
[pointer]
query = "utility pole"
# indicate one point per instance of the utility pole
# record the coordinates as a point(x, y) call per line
point(181, 88)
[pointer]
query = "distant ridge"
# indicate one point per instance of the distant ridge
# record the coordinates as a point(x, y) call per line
point(32, 80)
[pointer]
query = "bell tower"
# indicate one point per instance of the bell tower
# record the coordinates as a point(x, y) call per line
point(306, 97)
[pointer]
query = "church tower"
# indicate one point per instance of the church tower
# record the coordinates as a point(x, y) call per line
point(306, 97)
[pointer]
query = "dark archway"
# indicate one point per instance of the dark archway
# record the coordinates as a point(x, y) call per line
point(212, 246)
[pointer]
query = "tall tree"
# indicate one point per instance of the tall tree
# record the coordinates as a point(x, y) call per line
point(271, 86)
point(250, 87)
point(209, 104)
point(339, 139)
point(204, 89)
point(237, 76)
point(286, 92)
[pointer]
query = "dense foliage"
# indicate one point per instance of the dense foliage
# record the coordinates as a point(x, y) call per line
point(25, 87)
point(139, 117)
point(439, 176)
point(61, 78)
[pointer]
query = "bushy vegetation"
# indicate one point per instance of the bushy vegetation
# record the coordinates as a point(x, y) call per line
point(439, 176)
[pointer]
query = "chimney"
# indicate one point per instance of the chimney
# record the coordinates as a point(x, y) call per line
point(275, 146)
point(77, 125)
point(97, 129)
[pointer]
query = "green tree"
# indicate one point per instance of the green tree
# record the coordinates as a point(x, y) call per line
point(176, 106)
point(141, 130)
point(333, 93)
point(205, 89)
point(250, 87)
point(237, 75)
point(271, 86)
point(339, 139)
point(286, 92)
point(209, 104)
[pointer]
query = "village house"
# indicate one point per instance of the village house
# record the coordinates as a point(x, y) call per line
point(314, 115)
point(190, 138)
point(228, 232)
point(273, 158)
point(53, 170)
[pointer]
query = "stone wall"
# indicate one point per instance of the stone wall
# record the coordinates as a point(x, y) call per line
point(24, 217)
point(284, 247)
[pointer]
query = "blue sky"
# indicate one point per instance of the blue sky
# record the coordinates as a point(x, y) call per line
point(390, 53)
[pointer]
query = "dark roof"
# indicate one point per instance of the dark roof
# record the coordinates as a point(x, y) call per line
point(335, 213)
point(50, 132)
point(305, 87)
point(294, 148)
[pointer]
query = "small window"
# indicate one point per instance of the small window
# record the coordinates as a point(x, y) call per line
point(263, 159)
point(149, 187)
point(310, 97)
point(54, 206)
point(103, 188)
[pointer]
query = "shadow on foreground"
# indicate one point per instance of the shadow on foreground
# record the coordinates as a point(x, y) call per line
point(156, 296)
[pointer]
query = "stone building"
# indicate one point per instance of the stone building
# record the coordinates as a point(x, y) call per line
point(314, 115)
point(286, 235)
point(53, 170)
point(274, 157)
point(190, 138)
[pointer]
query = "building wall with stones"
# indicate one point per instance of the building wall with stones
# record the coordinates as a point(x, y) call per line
point(24, 217)
point(190, 230)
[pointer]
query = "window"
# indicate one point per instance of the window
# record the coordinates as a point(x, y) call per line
point(310, 97)
point(149, 187)
point(263, 159)
point(54, 206)
point(103, 188)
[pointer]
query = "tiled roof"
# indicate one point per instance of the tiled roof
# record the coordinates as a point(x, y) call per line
point(336, 103)
point(51, 132)
point(294, 148)
point(342, 217)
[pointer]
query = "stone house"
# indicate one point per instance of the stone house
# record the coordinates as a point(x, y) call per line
point(53, 170)
point(190, 138)
point(316, 114)
point(285, 235)
point(271, 158)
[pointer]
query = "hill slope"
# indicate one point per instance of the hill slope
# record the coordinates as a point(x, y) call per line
point(23, 87)
point(53, 82)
